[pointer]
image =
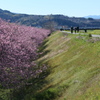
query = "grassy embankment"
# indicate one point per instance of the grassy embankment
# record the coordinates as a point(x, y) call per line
point(75, 67)
point(74, 72)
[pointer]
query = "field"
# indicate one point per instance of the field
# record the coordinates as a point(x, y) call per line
point(95, 32)
point(73, 73)
point(75, 67)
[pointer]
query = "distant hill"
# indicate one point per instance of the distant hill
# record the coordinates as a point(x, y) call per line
point(93, 16)
point(57, 21)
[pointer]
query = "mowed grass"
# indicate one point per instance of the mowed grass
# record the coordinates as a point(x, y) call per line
point(95, 32)
point(75, 67)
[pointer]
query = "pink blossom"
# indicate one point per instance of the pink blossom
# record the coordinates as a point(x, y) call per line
point(18, 49)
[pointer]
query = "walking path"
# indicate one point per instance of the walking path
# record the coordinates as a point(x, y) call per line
point(82, 33)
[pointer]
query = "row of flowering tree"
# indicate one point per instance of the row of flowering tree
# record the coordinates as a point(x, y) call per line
point(18, 51)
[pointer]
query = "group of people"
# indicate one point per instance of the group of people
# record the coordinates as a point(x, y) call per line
point(76, 29)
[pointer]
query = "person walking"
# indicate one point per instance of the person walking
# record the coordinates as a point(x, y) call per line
point(71, 29)
point(77, 29)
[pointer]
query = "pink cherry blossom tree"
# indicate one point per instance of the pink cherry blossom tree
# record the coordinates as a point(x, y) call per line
point(18, 52)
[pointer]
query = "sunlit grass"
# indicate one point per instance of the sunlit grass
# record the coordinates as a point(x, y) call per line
point(97, 32)
point(76, 69)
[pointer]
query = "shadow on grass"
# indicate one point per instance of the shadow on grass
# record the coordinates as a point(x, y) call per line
point(42, 50)
point(28, 92)
point(1, 98)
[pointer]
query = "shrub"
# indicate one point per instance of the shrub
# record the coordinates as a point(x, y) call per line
point(90, 35)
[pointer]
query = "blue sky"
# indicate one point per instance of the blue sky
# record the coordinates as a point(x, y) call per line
point(77, 8)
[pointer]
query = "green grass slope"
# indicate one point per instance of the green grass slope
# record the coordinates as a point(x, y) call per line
point(75, 67)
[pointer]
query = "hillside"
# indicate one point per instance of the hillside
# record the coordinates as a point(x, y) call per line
point(43, 20)
point(74, 70)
